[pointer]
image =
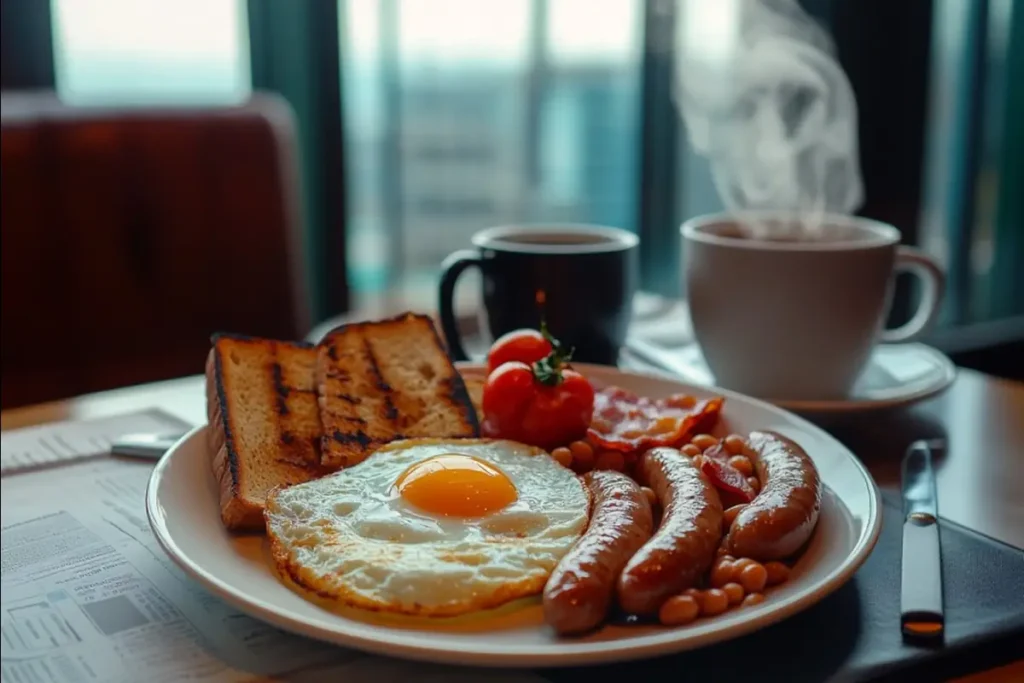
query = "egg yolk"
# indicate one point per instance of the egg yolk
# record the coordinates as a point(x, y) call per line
point(456, 485)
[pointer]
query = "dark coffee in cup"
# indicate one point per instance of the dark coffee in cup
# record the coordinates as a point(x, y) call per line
point(580, 279)
point(562, 239)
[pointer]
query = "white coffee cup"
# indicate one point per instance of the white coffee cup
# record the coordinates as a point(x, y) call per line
point(790, 315)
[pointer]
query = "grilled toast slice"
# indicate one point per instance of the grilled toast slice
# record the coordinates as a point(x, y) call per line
point(387, 380)
point(264, 422)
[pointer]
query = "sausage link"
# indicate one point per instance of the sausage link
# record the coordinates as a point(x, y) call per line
point(684, 545)
point(579, 592)
point(782, 517)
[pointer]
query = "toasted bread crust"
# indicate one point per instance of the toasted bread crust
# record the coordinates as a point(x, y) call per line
point(235, 512)
point(286, 449)
point(360, 408)
point(457, 389)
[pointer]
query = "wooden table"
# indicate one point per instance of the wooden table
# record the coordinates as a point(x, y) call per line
point(980, 479)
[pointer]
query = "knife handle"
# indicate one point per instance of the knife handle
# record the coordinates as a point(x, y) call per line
point(921, 613)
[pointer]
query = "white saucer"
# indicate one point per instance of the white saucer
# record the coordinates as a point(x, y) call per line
point(897, 375)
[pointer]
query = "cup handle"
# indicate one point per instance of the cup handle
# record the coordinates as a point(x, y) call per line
point(933, 282)
point(451, 269)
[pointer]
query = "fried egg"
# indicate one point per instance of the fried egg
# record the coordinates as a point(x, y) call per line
point(430, 527)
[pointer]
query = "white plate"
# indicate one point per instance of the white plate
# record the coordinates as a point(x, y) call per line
point(897, 375)
point(182, 502)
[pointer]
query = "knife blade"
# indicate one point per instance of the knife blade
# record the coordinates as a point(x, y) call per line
point(144, 446)
point(921, 609)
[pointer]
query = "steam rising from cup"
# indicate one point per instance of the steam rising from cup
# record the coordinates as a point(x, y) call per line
point(774, 113)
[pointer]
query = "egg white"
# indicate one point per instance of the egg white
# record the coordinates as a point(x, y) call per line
point(349, 537)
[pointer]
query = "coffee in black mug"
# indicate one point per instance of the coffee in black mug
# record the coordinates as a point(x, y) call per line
point(579, 279)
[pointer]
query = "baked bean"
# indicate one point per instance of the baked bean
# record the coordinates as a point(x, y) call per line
point(734, 443)
point(563, 456)
point(734, 591)
point(730, 514)
point(753, 599)
point(755, 483)
point(685, 402)
point(753, 578)
point(678, 610)
point(743, 563)
point(663, 425)
point(693, 593)
point(715, 601)
point(690, 450)
point(722, 573)
point(652, 498)
point(742, 465)
point(582, 461)
point(704, 441)
point(698, 460)
point(777, 573)
point(581, 449)
point(610, 460)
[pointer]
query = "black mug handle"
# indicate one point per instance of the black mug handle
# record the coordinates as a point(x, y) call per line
point(451, 269)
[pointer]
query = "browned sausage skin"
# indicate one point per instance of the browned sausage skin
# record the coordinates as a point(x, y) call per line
point(579, 592)
point(684, 545)
point(782, 517)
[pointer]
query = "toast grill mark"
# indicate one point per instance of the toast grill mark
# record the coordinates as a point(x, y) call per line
point(390, 411)
point(354, 418)
point(280, 388)
point(360, 437)
point(349, 398)
point(339, 374)
point(456, 392)
point(293, 451)
point(332, 351)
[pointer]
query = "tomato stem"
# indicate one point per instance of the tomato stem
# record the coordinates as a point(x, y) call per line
point(548, 370)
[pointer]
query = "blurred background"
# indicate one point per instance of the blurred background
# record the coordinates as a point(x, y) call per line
point(172, 168)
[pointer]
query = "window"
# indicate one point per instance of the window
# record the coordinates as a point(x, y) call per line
point(151, 51)
point(968, 201)
point(461, 115)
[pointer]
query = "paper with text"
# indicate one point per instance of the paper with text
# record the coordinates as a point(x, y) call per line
point(62, 442)
point(88, 595)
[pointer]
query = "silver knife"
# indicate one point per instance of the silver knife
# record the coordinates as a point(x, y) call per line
point(921, 613)
point(144, 446)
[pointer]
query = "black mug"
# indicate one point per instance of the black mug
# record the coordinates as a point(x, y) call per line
point(579, 279)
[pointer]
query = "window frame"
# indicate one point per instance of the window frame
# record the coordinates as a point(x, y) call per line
point(295, 51)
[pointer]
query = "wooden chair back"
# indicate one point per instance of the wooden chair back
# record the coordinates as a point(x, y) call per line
point(131, 235)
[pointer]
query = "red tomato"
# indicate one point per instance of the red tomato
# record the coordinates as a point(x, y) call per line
point(541, 404)
point(527, 346)
point(727, 479)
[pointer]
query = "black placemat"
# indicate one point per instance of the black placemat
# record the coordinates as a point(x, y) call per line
point(854, 635)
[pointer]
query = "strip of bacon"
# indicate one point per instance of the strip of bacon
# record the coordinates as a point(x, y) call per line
point(629, 423)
